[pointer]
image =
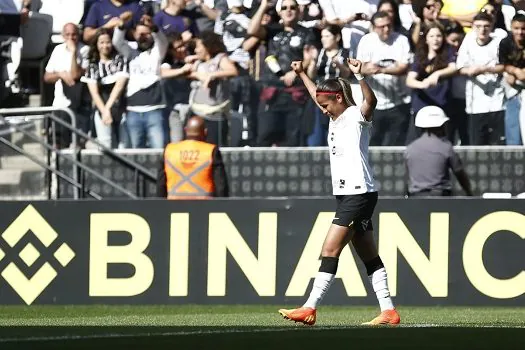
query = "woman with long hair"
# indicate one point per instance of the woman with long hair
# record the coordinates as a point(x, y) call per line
point(330, 64)
point(425, 14)
point(354, 189)
point(428, 77)
point(210, 96)
point(106, 78)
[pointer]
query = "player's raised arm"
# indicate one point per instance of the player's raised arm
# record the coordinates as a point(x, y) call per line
point(369, 98)
point(297, 67)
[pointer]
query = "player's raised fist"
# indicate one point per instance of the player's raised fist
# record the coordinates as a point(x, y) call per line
point(354, 65)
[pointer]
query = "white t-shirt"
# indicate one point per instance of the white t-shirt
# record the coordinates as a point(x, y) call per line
point(348, 139)
point(483, 93)
point(342, 9)
point(390, 90)
point(60, 61)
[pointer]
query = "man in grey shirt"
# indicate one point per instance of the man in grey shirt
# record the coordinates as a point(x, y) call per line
point(429, 158)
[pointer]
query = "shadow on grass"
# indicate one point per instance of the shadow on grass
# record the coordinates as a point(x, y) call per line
point(273, 338)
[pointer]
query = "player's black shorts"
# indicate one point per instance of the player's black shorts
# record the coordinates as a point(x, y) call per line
point(356, 211)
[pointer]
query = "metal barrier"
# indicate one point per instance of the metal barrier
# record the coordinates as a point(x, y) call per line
point(13, 118)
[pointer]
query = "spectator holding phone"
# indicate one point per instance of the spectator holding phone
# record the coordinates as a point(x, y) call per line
point(354, 16)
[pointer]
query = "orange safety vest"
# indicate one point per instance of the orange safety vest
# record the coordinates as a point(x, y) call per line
point(188, 167)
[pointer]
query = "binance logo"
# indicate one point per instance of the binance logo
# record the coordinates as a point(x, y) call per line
point(30, 288)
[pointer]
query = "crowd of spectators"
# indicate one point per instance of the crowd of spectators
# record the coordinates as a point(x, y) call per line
point(134, 71)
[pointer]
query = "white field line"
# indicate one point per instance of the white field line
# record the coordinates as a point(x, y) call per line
point(229, 331)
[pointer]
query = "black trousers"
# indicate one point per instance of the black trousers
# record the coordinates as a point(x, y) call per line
point(279, 121)
point(390, 126)
point(487, 129)
point(244, 101)
point(458, 123)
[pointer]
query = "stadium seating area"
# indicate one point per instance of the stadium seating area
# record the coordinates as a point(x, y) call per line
point(336, 29)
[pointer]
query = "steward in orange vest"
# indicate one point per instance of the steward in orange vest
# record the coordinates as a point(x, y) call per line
point(192, 169)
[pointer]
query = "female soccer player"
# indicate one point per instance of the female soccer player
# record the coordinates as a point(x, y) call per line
point(354, 190)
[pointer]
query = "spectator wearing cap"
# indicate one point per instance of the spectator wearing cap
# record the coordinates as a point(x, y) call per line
point(283, 96)
point(429, 158)
point(109, 14)
point(385, 55)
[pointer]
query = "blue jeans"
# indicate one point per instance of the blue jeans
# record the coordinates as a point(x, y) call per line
point(146, 129)
point(512, 121)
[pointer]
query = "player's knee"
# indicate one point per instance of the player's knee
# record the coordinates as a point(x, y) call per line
point(331, 252)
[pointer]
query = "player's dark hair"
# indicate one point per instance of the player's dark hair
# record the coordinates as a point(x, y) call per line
point(337, 85)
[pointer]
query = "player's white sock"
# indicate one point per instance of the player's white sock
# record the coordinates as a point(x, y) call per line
point(378, 280)
point(322, 283)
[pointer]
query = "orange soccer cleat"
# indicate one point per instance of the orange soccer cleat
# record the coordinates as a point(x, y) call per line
point(305, 315)
point(387, 317)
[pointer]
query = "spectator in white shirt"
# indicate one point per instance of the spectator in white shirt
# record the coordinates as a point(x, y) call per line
point(64, 69)
point(386, 55)
point(478, 59)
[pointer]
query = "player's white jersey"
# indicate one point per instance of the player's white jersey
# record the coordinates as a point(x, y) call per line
point(348, 139)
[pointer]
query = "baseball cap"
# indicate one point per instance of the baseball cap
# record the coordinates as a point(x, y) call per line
point(430, 117)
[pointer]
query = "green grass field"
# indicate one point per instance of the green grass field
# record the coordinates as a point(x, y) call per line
point(255, 327)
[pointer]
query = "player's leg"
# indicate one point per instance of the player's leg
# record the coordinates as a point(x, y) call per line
point(366, 248)
point(336, 239)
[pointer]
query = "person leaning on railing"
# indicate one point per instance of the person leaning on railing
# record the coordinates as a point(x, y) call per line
point(193, 168)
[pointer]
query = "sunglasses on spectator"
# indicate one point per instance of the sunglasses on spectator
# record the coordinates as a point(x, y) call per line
point(291, 8)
